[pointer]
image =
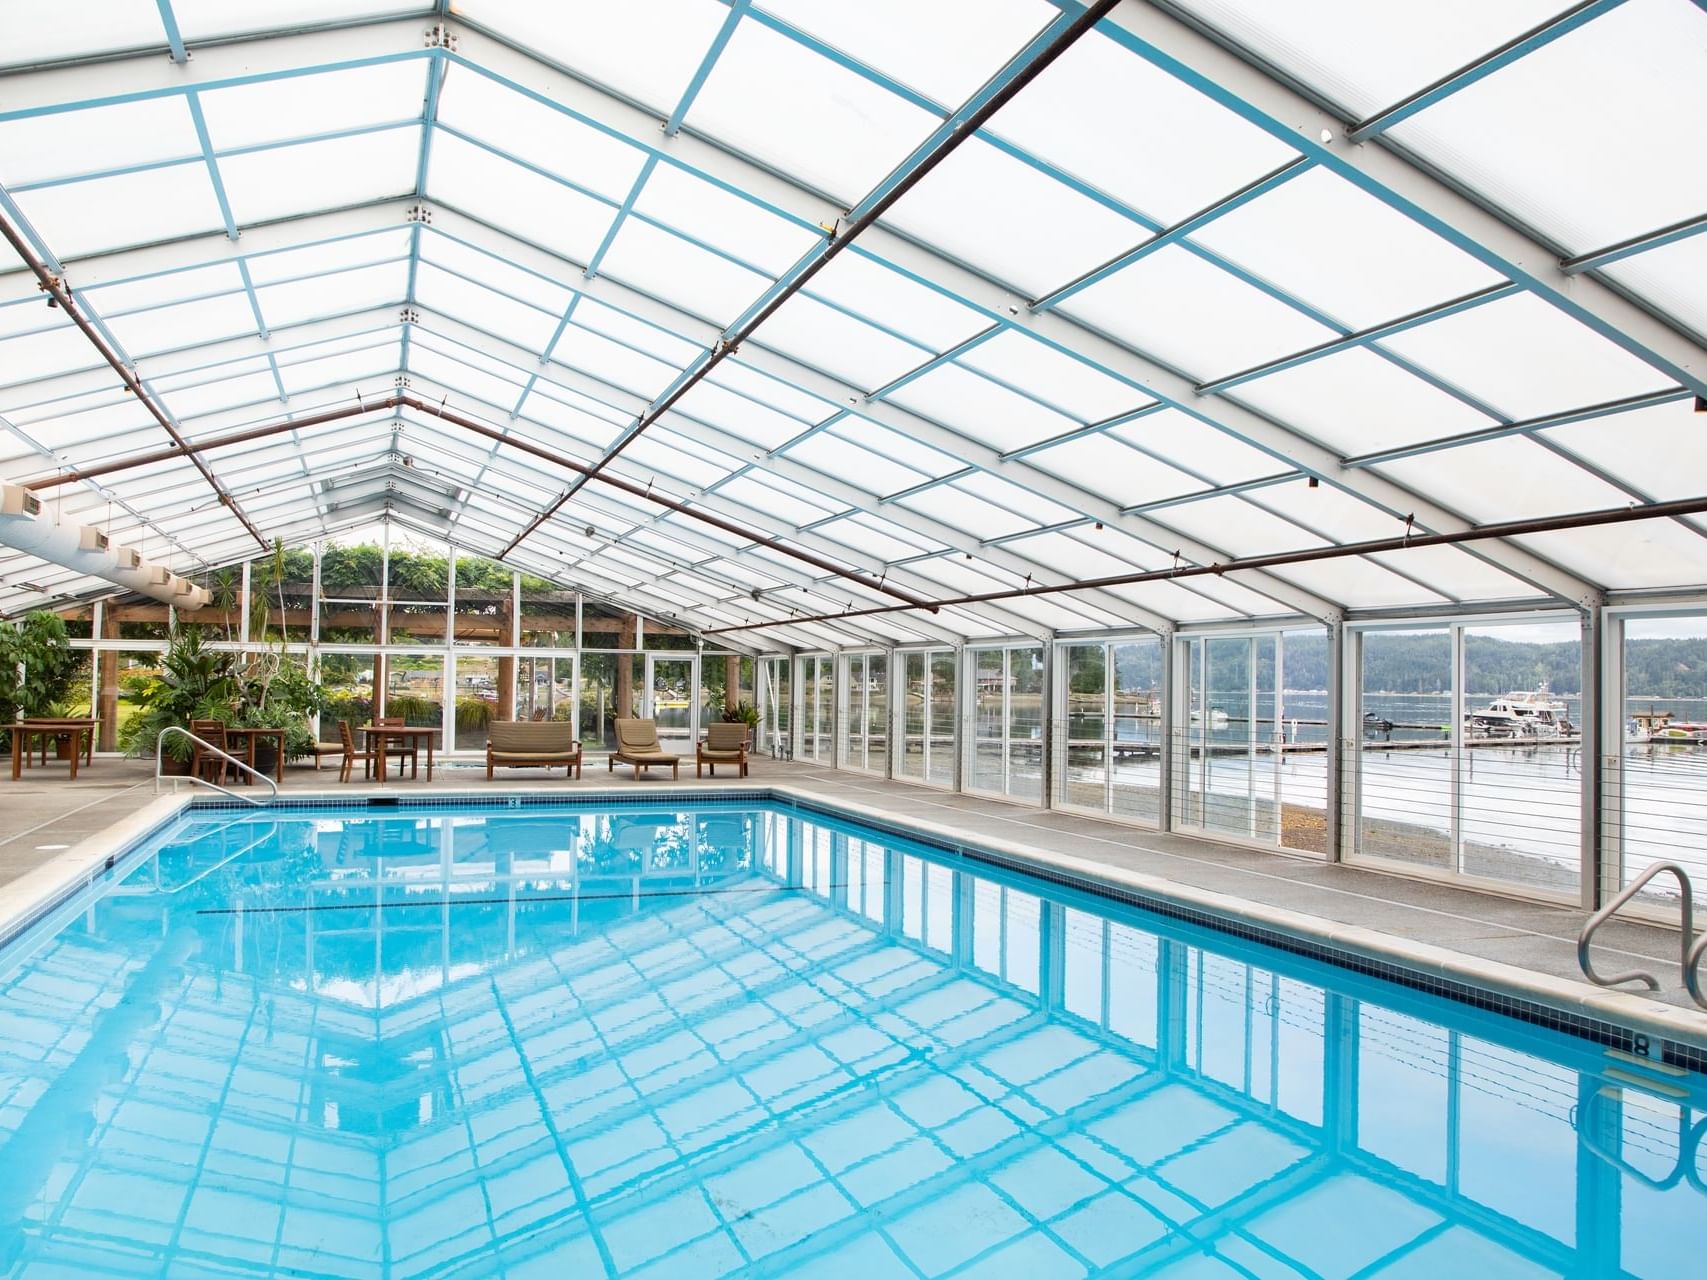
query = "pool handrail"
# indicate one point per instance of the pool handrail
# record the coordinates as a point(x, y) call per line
point(160, 772)
point(1689, 952)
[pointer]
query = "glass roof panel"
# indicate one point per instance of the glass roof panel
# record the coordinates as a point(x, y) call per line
point(1661, 450)
point(1075, 387)
point(466, 300)
point(1114, 470)
point(1643, 555)
point(1002, 216)
point(717, 217)
point(102, 26)
point(343, 291)
point(262, 185)
point(159, 204)
point(959, 509)
point(648, 52)
point(475, 265)
point(738, 415)
point(862, 467)
point(1457, 573)
point(302, 106)
point(186, 324)
point(1328, 511)
point(460, 379)
point(673, 350)
point(611, 362)
point(329, 255)
point(943, 50)
point(1016, 497)
point(1525, 358)
point(527, 129)
point(356, 366)
point(111, 300)
point(669, 268)
point(762, 496)
point(546, 410)
point(1366, 64)
point(73, 143)
point(206, 19)
point(804, 114)
point(838, 344)
point(925, 315)
point(892, 444)
point(48, 351)
point(1172, 600)
point(1357, 582)
point(981, 410)
point(1198, 318)
point(762, 387)
point(1231, 524)
point(660, 453)
point(881, 538)
point(1604, 113)
point(514, 199)
point(254, 389)
point(1358, 402)
point(1506, 479)
point(1673, 278)
point(1343, 251)
point(1115, 121)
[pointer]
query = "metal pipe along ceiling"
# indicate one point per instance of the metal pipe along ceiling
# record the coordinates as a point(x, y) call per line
point(400, 400)
point(57, 290)
point(729, 344)
point(1506, 529)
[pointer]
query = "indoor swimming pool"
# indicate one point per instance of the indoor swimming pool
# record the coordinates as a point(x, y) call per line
point(742, 1037)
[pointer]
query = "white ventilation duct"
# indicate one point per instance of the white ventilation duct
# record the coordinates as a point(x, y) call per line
point(87, 550)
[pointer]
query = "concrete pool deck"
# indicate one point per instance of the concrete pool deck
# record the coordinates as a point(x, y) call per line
point(1470, 936)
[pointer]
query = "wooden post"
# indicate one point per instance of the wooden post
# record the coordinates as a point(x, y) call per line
point(625, 669)
point(506, 688)
point(108, 683)
point(731, 683)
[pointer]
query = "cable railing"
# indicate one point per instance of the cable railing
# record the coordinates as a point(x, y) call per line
point(160, 773)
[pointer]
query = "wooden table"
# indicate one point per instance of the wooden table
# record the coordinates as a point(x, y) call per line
point(250, 736)
point(81, 731)
point(376, 736)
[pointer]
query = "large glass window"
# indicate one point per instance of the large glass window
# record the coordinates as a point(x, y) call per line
point(1007, 722)
point(485, 691)
point(1470, 759)
point(1656, 777)
point(817, 706)
point(548, 614)
point(608, 692)
point(417, 590)
point(485, 601)
point(865, 716)
point(776, 705)
point(1109, 728)
point(926, 691)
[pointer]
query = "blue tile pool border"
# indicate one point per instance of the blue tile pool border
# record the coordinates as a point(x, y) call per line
point(1533, 1012)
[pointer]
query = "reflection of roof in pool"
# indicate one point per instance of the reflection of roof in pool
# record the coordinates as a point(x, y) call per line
point(686, 1045)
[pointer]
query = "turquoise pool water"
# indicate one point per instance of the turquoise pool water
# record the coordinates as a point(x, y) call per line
point(553, 1042)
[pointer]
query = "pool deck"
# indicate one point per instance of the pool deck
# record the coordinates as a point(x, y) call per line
point(1467, 933)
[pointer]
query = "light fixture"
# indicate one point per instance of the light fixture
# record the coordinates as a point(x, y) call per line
point(1315, 482)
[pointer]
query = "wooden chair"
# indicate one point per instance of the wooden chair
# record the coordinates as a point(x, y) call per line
point(202, 760)
point(725, 743)
point(637, 745)
point(320, 750)
point(398, 750)
point(352, 753)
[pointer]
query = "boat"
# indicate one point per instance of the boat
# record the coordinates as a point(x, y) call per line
point(1521, 717)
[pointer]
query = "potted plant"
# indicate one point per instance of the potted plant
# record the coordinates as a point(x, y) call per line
point(744, 713)
point(274, 692)
point(195, 683)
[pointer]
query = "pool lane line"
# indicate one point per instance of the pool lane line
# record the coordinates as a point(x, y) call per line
point(498, 902)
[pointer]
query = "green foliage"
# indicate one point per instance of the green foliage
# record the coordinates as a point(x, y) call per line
point(195, 683)
point(472, 714)
point(746, 713)
point(40, 645)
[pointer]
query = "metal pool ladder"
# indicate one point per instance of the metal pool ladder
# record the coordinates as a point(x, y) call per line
point(160, 774)
point(1689, 953)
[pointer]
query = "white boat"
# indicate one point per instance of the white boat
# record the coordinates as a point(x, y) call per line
point(1521, 717)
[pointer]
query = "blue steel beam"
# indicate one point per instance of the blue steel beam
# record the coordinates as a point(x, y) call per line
point(1507, 53)
point(1634, 245)
point(169, 24)
point(737, 11)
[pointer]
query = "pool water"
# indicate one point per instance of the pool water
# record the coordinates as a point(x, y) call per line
point(739, 1039)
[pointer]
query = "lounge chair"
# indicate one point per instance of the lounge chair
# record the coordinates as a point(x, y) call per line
point(637, 745)
point(724, 743)
point(533, 743)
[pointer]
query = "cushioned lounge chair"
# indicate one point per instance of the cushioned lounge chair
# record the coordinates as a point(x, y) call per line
point(533, 743)
point(723, 744)
point(637, 745)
